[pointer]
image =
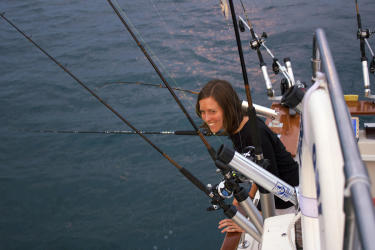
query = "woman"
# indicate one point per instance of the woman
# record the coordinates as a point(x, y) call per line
point(220, 108)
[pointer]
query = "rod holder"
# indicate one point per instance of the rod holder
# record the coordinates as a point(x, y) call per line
point(243, 222)
point(261, 110)
point(253, 171)
point(288, 65)
point(267, 202)
point(252, 212)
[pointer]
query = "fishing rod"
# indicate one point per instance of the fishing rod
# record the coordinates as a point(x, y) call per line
point(266, 198)
point(291, 92)
point(122, 132)
point(255, 45)
point(257, 42)
point(362, 35)
point(250, 110)
point(117, 10)
point(184, 171)
point(218, 193)
point(153, 85)
point(242, 195)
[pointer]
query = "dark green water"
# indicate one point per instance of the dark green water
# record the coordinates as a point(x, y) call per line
point(95, 191)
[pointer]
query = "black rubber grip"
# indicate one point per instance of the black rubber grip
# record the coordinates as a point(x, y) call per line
point(194, 180)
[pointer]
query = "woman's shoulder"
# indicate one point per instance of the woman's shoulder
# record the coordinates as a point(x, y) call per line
point(261, 125)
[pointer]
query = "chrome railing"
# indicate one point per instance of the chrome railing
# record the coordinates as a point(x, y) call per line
point(357, 182)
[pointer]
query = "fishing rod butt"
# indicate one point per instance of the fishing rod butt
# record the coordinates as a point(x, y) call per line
point(225, 154)
point(267, 80)
point(222, 167)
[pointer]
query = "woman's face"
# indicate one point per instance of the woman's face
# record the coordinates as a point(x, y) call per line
point(212, 114)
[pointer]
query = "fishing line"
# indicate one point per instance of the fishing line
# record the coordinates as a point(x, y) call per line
point(132, 27)
point(121, 132)
point(260, 110)
point(170, 75)
point(178, 51)
point(166, 27)
point(208, 146)
point(184, 171)
point(369, 47)
point(229, 28)
point(153, 85)
point(138, 34)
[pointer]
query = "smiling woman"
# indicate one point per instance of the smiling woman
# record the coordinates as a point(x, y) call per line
point(219, 106)
point(113, 192)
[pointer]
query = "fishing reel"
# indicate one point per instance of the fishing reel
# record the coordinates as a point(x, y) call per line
point(365, 33)
point(224, 190)
point(218, 193)
point(256, 43)
point(230, 185)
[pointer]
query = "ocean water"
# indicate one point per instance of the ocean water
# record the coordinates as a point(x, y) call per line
point(110, 191)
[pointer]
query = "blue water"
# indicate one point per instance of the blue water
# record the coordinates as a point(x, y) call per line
point(95, 191)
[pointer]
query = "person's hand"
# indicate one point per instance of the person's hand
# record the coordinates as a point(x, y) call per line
point(229, 226)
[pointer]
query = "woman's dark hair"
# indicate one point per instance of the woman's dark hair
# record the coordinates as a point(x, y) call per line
point(224, 94)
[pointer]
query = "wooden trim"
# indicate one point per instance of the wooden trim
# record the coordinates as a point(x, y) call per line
point(361, 107)
point(231, 241)
point(289, 132)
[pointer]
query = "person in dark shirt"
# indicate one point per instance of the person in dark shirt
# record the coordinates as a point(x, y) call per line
point(220, 108)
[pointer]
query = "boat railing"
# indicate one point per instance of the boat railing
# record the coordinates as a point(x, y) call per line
point(357, 182)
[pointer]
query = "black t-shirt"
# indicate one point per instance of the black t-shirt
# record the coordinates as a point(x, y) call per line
point(281, 162)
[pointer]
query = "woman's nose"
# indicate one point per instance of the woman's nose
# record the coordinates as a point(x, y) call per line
point(206, 117)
